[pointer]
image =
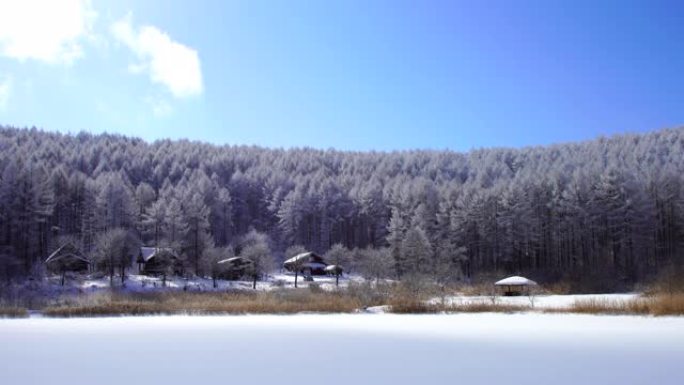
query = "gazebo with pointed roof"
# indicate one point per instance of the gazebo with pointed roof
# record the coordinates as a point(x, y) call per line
point(515, 285)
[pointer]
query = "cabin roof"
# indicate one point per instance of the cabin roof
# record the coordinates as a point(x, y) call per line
point(515, 281)
point(148, 253)
point(308, 257)
point(67, 250)
point(233, 260)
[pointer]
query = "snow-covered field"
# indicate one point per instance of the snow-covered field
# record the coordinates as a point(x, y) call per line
point(138, 283)
point(342, 349)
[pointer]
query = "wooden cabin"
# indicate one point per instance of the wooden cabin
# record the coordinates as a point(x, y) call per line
point(515, 285)
point(158, 260)
point(68, 258)
point(307, 264)
point(234, 268)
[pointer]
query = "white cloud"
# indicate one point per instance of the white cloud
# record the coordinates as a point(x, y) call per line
point(167, 62)
point(5, 89)
point(49, 31)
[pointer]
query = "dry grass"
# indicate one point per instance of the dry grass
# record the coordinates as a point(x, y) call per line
point(666, 304)
point(13, 312)
point(485, 307)
point(476, 289)
point(402, 298)
point(403, 302)
point(277, 302)
point(656, 305)
point(469, 307)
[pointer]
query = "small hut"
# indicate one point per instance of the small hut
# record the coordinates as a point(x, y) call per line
point(234, 268)
point(158, 261)
point(68, 258)
point(515, 285)
point(307, 264)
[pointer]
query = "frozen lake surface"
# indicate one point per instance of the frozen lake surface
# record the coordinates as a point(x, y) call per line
point(341, 349)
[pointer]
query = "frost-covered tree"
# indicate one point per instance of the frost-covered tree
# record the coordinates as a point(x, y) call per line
point(376, 263)
point(196, 224)
point(416, 253)
point(293, 251)
point(210, 261)
point(340, 256)
point(612, 207)
point(261, 258)
point(115, 250)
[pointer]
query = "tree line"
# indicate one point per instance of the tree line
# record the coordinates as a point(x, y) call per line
point(611, 206)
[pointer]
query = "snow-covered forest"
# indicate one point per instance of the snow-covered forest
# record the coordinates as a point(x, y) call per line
point(611, 207)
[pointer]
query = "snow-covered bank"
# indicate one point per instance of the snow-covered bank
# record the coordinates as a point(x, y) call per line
point(143, 283)
point(341, 349)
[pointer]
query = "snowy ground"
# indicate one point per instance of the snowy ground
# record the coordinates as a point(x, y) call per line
point(341, 349)
point(540, 301)
point(146, 283)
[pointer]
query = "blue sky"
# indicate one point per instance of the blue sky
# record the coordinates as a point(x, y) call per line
point(354, 75)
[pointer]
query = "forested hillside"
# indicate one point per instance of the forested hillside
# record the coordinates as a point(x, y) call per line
point(613, 206)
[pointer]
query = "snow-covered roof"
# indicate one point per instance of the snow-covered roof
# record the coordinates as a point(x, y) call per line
point(67, 249)
point(305, 257)
point(298, 257)
point(234, 260)
point(515, 281)
point(333, 268)
point(148, 253)
point(229, 260)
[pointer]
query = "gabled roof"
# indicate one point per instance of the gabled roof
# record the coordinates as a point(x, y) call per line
point(308, 257)
point(515, 281)
point(235, 262)
point(67, 250)
point(148, 253)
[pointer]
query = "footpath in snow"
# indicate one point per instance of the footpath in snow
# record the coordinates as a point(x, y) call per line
point(342, 349)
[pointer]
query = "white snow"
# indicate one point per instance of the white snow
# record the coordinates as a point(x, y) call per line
point(137, 283)
point(303, 256)
point(468, 349)
point(515, 281)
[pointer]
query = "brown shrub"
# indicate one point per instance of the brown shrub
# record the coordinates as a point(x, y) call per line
point(13, 312)
point(664, 304)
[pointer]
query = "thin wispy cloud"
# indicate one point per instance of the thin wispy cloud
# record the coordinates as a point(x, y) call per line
point(48, 31)
point(167, 62)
